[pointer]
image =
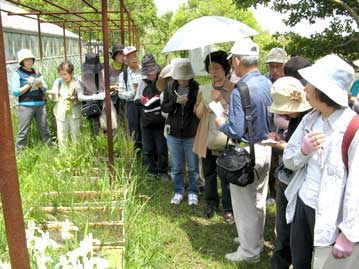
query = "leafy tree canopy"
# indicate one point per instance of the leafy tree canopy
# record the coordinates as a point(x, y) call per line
point(340, 37)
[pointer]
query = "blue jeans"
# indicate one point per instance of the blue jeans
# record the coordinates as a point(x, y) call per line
point(180, 150)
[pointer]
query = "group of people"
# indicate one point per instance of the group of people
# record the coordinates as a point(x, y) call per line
point(299, 111)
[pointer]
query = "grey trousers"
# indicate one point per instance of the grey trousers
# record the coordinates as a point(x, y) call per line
point(26, 114)
point(249, 206)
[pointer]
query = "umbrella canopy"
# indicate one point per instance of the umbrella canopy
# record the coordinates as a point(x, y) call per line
point(207, 30)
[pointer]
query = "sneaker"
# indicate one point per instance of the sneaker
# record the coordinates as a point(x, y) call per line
point(238, 257)
point(192, 199)
point(177, 199)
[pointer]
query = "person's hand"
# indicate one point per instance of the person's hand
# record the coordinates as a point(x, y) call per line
point(343, 247)
point(100, 96)
point(312, 141)
point(73, 97)
point(182, 100)
point(275, 136)
point(144, 100)
point(219, 121)
point(40, 85)
point(216, 95)
point(30, 80)
point(353, 100)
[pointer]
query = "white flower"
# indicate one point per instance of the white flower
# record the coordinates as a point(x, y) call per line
point(66, 228)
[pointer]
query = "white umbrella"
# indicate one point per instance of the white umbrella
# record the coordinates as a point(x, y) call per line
point(207, 30)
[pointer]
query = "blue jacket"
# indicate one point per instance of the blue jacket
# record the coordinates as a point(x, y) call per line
point(260, 95)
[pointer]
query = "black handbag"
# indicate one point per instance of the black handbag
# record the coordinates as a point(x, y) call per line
point(236, 165)
point(91, 109)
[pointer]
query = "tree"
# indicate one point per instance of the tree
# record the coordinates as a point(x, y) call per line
point(340, 37)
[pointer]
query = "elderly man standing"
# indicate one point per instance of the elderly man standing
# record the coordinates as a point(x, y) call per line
point(129, 80)
point(249, 203)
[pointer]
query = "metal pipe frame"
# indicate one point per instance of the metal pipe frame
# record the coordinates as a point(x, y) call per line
point(111, 161)
point(9, 185)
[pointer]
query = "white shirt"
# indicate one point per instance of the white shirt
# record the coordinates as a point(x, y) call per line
point(338, 201)
point(310, 189)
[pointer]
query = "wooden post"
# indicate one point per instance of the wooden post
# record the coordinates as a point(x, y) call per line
point(9, 183)
point(107, 90)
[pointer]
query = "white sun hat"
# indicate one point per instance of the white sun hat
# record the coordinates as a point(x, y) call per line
point(244, 47)
point(332, 76)
point(356, 62)
point(25, 54)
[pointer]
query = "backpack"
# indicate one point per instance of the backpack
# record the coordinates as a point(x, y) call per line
point(348, 137)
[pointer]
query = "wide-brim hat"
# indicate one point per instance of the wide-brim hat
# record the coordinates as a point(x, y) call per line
point(332, 76)
point(288, 96)
point(92, 64)
point(165, 75)
point(149, 65)
point(183, 70)
point(25, 54)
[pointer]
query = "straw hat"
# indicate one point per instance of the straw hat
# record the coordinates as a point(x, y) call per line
point(164, 76)
point(332, 76)
point(277, 55)
point(288, 96)
point(25, 54)
point(183, 70)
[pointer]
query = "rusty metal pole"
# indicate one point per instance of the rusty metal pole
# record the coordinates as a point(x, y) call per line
point(64, 35)
point(129, 28)
point(80, 45)
point(122, 11)
point(40, 37)
point(98, 43)
point(107, 90)
point(9, 185)
point(134, 35)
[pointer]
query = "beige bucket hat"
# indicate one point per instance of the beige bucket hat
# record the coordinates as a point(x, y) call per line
point(164, 76)
point(288, 96)
point(182, 70)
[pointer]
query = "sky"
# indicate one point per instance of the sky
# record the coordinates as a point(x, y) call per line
point(262, 14)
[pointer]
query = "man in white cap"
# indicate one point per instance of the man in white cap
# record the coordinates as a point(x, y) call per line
point(128, 84)
point(249, 203)
point(29, 86)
